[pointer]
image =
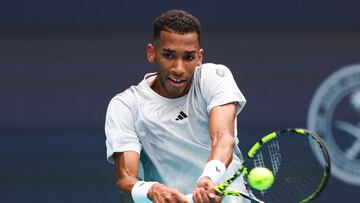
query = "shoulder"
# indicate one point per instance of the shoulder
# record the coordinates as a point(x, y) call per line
point(126, 99)
point(212, 69)
point(211, 74)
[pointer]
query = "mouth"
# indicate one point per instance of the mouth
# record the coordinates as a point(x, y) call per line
point(176, 82)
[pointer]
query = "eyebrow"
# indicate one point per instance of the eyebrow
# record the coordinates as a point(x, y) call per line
point(172, 51)
point(167, 50)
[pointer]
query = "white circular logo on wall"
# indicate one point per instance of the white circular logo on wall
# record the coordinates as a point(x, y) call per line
point(335, 115)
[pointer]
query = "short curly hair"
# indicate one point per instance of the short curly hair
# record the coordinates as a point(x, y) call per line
point(178, 21)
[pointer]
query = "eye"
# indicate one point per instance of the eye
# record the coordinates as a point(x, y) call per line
point(168, 55)
point(189, 57)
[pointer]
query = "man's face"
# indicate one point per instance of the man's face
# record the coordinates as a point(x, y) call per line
point(176, 57)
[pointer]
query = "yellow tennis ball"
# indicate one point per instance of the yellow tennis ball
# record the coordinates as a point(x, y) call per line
point(260, 178)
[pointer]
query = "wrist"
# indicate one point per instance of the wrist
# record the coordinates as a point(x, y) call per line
point(140, 190)
point(214, 170)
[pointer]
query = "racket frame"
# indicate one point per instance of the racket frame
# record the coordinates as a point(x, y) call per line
point(243, 170)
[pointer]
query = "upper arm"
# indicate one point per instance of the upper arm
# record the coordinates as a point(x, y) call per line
point(222, 122)
point(224, 101)
point(119, 129)
point(122, 143)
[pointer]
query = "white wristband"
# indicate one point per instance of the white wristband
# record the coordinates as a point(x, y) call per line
point(215, 170)
point(140, 190)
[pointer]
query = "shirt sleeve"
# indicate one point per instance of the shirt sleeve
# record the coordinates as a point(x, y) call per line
point(219, 87)
point(119, 129)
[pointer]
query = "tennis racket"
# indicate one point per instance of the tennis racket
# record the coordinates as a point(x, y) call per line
point(299, 161)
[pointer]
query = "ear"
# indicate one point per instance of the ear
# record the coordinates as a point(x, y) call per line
point(200, 56)
point(150, 53)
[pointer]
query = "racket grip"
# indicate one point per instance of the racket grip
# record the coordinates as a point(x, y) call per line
point(189, 198)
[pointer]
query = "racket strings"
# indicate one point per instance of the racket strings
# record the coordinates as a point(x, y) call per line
point(275, 156)
point(259, 160)
point(297, 170)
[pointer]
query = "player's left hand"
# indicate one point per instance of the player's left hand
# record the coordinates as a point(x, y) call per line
point(205, 192)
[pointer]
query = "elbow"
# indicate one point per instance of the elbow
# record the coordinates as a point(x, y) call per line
point(230, 143)
point(225, 140)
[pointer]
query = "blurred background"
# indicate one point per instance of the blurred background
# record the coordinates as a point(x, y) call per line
point(62, 61)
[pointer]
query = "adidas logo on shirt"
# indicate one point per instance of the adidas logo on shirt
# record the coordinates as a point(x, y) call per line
point(181, 116)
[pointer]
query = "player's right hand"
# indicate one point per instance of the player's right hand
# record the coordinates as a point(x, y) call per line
point(205, 192)
point(160, 193)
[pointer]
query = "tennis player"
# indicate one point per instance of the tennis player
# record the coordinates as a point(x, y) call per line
point(178, 123)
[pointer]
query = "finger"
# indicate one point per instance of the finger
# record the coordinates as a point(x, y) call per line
point(211, 196)
point(198, 196)
point(181, 198)
point(217, 199)
point(204, 195)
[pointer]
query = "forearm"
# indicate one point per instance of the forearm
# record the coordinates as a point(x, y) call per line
point(222, 148)
point(127, 167)
point(220, 156)
point(127, 177)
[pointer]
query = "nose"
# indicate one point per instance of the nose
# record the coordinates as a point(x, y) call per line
point(179, 67)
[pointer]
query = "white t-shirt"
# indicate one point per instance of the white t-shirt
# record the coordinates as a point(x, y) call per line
point(172, 135)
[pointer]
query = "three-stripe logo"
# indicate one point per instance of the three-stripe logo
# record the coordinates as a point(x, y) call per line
point(181, 116)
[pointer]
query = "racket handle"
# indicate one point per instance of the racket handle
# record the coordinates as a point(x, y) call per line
point(189, 198)
point(252, 198)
